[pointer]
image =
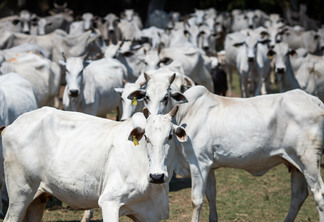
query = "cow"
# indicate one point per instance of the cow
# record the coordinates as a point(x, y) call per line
point(79, 27)
point(126, 106)
point(192, 61)
point(295, 39)
point(282, 66)
point(57, 42)
point(122, 167)
point(310, 75)
point(110, 29)
point(90, 88)
point(17, 96)
point(246, 52)
point(130, 15)
point(44, 74)
point(254, 134)
point(130, 25)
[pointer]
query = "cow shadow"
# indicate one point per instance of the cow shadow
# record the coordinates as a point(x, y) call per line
point(177, 184)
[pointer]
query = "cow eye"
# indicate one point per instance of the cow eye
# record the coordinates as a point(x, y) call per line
point(146, 98)
point(165, 97)
point(170, 137)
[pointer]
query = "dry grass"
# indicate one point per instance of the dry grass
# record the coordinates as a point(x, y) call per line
point(240, 197)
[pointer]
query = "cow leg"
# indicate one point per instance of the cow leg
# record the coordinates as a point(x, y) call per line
point(198, 190)
point(88, 214)
point(229, 73)
point(110, 211)
point(211, 196)
point(35, 210)
point(18, 205)
point(314, 180)
point(299, 192)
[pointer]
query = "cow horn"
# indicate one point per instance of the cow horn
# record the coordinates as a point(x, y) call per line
point(64, 56)
point(147, 77)
point(173, 111)
point(124, 81)
point(171, 79)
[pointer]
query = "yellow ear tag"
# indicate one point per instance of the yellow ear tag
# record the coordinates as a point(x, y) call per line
point(270, 57)
point(134, 101)
point(135, 141)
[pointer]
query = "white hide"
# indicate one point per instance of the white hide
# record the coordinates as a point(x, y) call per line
point(41, 72)
point(253, 134)
point(17, 96)
point(94, 84)
point(90, 162)
point(193, 64)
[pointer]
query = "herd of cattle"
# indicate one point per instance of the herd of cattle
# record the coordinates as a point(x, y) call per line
point(162, 80)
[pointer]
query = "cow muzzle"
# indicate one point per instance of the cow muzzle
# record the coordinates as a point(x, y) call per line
point(74, 93)
point(280, 70)
point(157, 178)
point(250, 59)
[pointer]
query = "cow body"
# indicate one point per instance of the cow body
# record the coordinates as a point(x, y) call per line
point(17, 96)
point(44, 74)
point(92, 90)
point(118, 175)
point(253, 134)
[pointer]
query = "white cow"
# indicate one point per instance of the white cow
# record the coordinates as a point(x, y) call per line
point(17, 96)
point(57, 42)
point(283, 68)
point(310, 75)
point(79, 27)
point(90, 89)
point(90, 162)
point(244, 53)
point(193, 63)
point(44, 74)
point(309, 40)
point(253, 134)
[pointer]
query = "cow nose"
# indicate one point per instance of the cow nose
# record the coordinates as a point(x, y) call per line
point(250, 26)
point(157, 178)
point(281, 70)
point(251, 59)
point(74, 92)
point(205, 48)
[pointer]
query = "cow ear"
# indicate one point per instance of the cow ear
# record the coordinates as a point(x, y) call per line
point(238, 44)
point(271, 53)
point(179, 97)
point(180, 133)
point(119, 90)
point(136, 134)
point(292, 52)
point(146, 112)
point(138, 94)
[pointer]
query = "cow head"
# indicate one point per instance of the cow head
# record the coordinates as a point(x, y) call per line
point(280, 54)
point(128, 107)
point(158, 94)
point(73, 74)
point(159, 134)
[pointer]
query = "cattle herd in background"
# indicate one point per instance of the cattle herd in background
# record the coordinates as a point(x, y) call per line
point(161, 76)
